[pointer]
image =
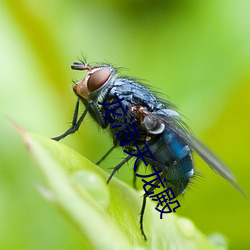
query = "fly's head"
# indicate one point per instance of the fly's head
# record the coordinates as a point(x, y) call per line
point(96, 79)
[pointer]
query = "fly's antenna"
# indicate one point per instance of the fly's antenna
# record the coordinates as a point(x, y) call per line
point(80, 66)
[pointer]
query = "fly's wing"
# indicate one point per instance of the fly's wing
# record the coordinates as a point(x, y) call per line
point(212, 160)
point(174, 123)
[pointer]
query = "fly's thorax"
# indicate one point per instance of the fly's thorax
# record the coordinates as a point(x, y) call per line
point(152, 125)
point(153, 122)
point(94, 84)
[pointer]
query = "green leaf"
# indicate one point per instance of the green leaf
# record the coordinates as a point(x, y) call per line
point(106, 215)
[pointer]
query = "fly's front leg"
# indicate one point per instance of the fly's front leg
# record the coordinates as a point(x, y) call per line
point(75, 124)
point(98, 114)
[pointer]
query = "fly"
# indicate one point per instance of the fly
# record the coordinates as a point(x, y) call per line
point(157, 121)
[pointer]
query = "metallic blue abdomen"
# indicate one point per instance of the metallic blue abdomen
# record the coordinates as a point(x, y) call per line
point(170, 151)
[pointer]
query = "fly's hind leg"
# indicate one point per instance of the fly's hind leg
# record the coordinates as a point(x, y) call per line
point(142, 214)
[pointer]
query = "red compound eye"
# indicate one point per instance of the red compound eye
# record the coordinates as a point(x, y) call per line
point(97, 79)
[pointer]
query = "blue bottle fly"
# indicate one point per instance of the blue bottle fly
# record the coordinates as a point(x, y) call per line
point(156, 121)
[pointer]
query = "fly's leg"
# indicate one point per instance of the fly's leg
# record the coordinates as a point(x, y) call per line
point(98, 114)
point(118, 167)
point(105, 155)
point(142, 214)
point(134, 176)
point(150, 190)
point(75, 124)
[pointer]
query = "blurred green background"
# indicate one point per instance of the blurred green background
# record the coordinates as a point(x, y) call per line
point(196, 52)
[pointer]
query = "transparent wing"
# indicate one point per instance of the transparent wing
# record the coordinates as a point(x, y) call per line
point(175, 124)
